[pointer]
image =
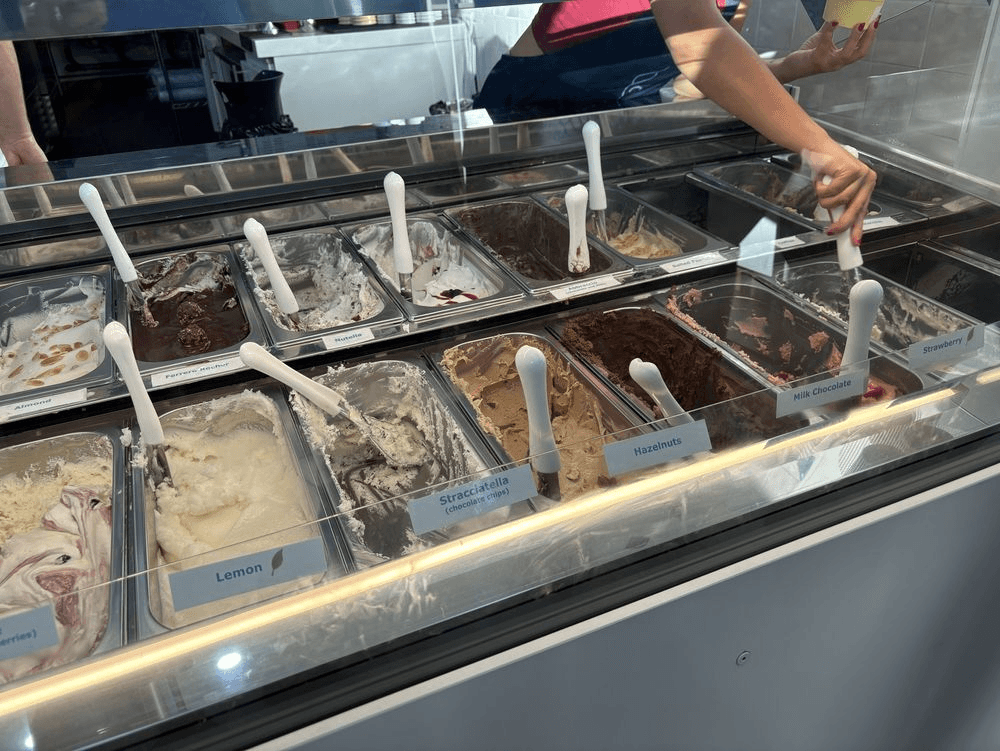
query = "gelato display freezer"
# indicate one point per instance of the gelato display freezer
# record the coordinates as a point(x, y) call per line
point(282, 556)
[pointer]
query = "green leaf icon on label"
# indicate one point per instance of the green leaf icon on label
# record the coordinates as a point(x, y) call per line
point(276, 561)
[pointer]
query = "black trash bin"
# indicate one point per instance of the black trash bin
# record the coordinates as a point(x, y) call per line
point(253, 108)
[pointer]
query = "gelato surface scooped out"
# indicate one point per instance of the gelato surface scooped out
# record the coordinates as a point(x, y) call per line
point(194, 305)
point(51, 336)
point(397, 394)
point(485, 372)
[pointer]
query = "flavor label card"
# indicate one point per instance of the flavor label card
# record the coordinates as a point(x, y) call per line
point(945, 347)
point(877, 222)
point(695, 261)
point(822, 392)
point(28, 632)
point(582, 288)
point(455, 504)
point(31, 406)
point(237, 576)
point(657, 448)
point(347, 338)
point(788, 242)
point(199, 370)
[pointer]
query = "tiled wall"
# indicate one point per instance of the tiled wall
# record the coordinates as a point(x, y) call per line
point(915, 87)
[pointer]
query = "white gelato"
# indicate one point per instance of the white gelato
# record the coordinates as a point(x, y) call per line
point(331, 288)
point(443, 271)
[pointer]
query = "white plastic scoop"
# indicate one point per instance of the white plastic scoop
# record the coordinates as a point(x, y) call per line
point(221, 179)
point(192, 191)
point(111, 192)
point(542, 448)
point(404, 452)
point(310, 164)
point(6, 215)
point(598, 198)
point(848, 254)
point(402, 256)
point(126, 269)
point(283, 295)
point(576, 212)
point(118, 343)
point(865, 298)
point(647, 375)
point(42, 198)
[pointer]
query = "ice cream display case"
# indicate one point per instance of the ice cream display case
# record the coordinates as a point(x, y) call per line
point(414, 469)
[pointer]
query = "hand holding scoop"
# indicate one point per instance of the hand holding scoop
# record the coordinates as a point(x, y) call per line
point(381, 436)
point(598, 198)
point(257, 236)
point(865, 298)
point(848, 254)
point(395, 193)
point(126, 269)
point(576, 211)
point(647, 375)
point(542, 449)
point(117, 340)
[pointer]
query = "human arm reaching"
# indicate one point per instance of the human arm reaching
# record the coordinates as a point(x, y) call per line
point(720, 63)
point(16, 139)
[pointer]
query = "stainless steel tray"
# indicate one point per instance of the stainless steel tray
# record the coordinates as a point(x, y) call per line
point(793, 192)
point(782, 340)
point(73, 342)
point(161, 363)
point(222, 416)
point(276, 218)
point(903, 318)
point(436, 248)
point(532, 242)
point(54, 253)
point(371, 494)
point(722, 215)
point(983, 243)
point(47, 458)
point(314, 263)
point(737, 405)
point(499, 410)
point(448, 191)
point(642, 234)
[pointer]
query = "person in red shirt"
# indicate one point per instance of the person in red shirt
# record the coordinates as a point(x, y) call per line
point(581, 56)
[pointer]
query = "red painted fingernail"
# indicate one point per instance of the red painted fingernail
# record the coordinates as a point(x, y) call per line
point(835, 23)
point(875, 25)
point(861, 27)
point(829, 232)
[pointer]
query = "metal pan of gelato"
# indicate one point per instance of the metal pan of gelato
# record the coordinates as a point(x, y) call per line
point(50, 334)
point(484, 373)
point(740, 407)
point(446, 191)
point(903, 318)
point(921, 194)
point(243, 495)
point(197, 309)
point(277, 218)
point(55, 253)
point(531, 241)
point(776, 337)
point(61, 549)
point(543, 174)
point(944, 276)
point(335, 291)
point(721, 215)
point(365, 204)
point(166, 235)
point(794, 192)
point(374, 493)
point(449, 272)
point(644, 235)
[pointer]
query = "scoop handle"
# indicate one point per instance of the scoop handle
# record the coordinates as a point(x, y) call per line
point(848, 254)
point(532, 369)
point(395, 194)
point(256, 357)
point(257, 236)
point(576, 212)
point(592, 143)
point(864, 299)
point(647, 375)
point(92, 200)
point(118, 343)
